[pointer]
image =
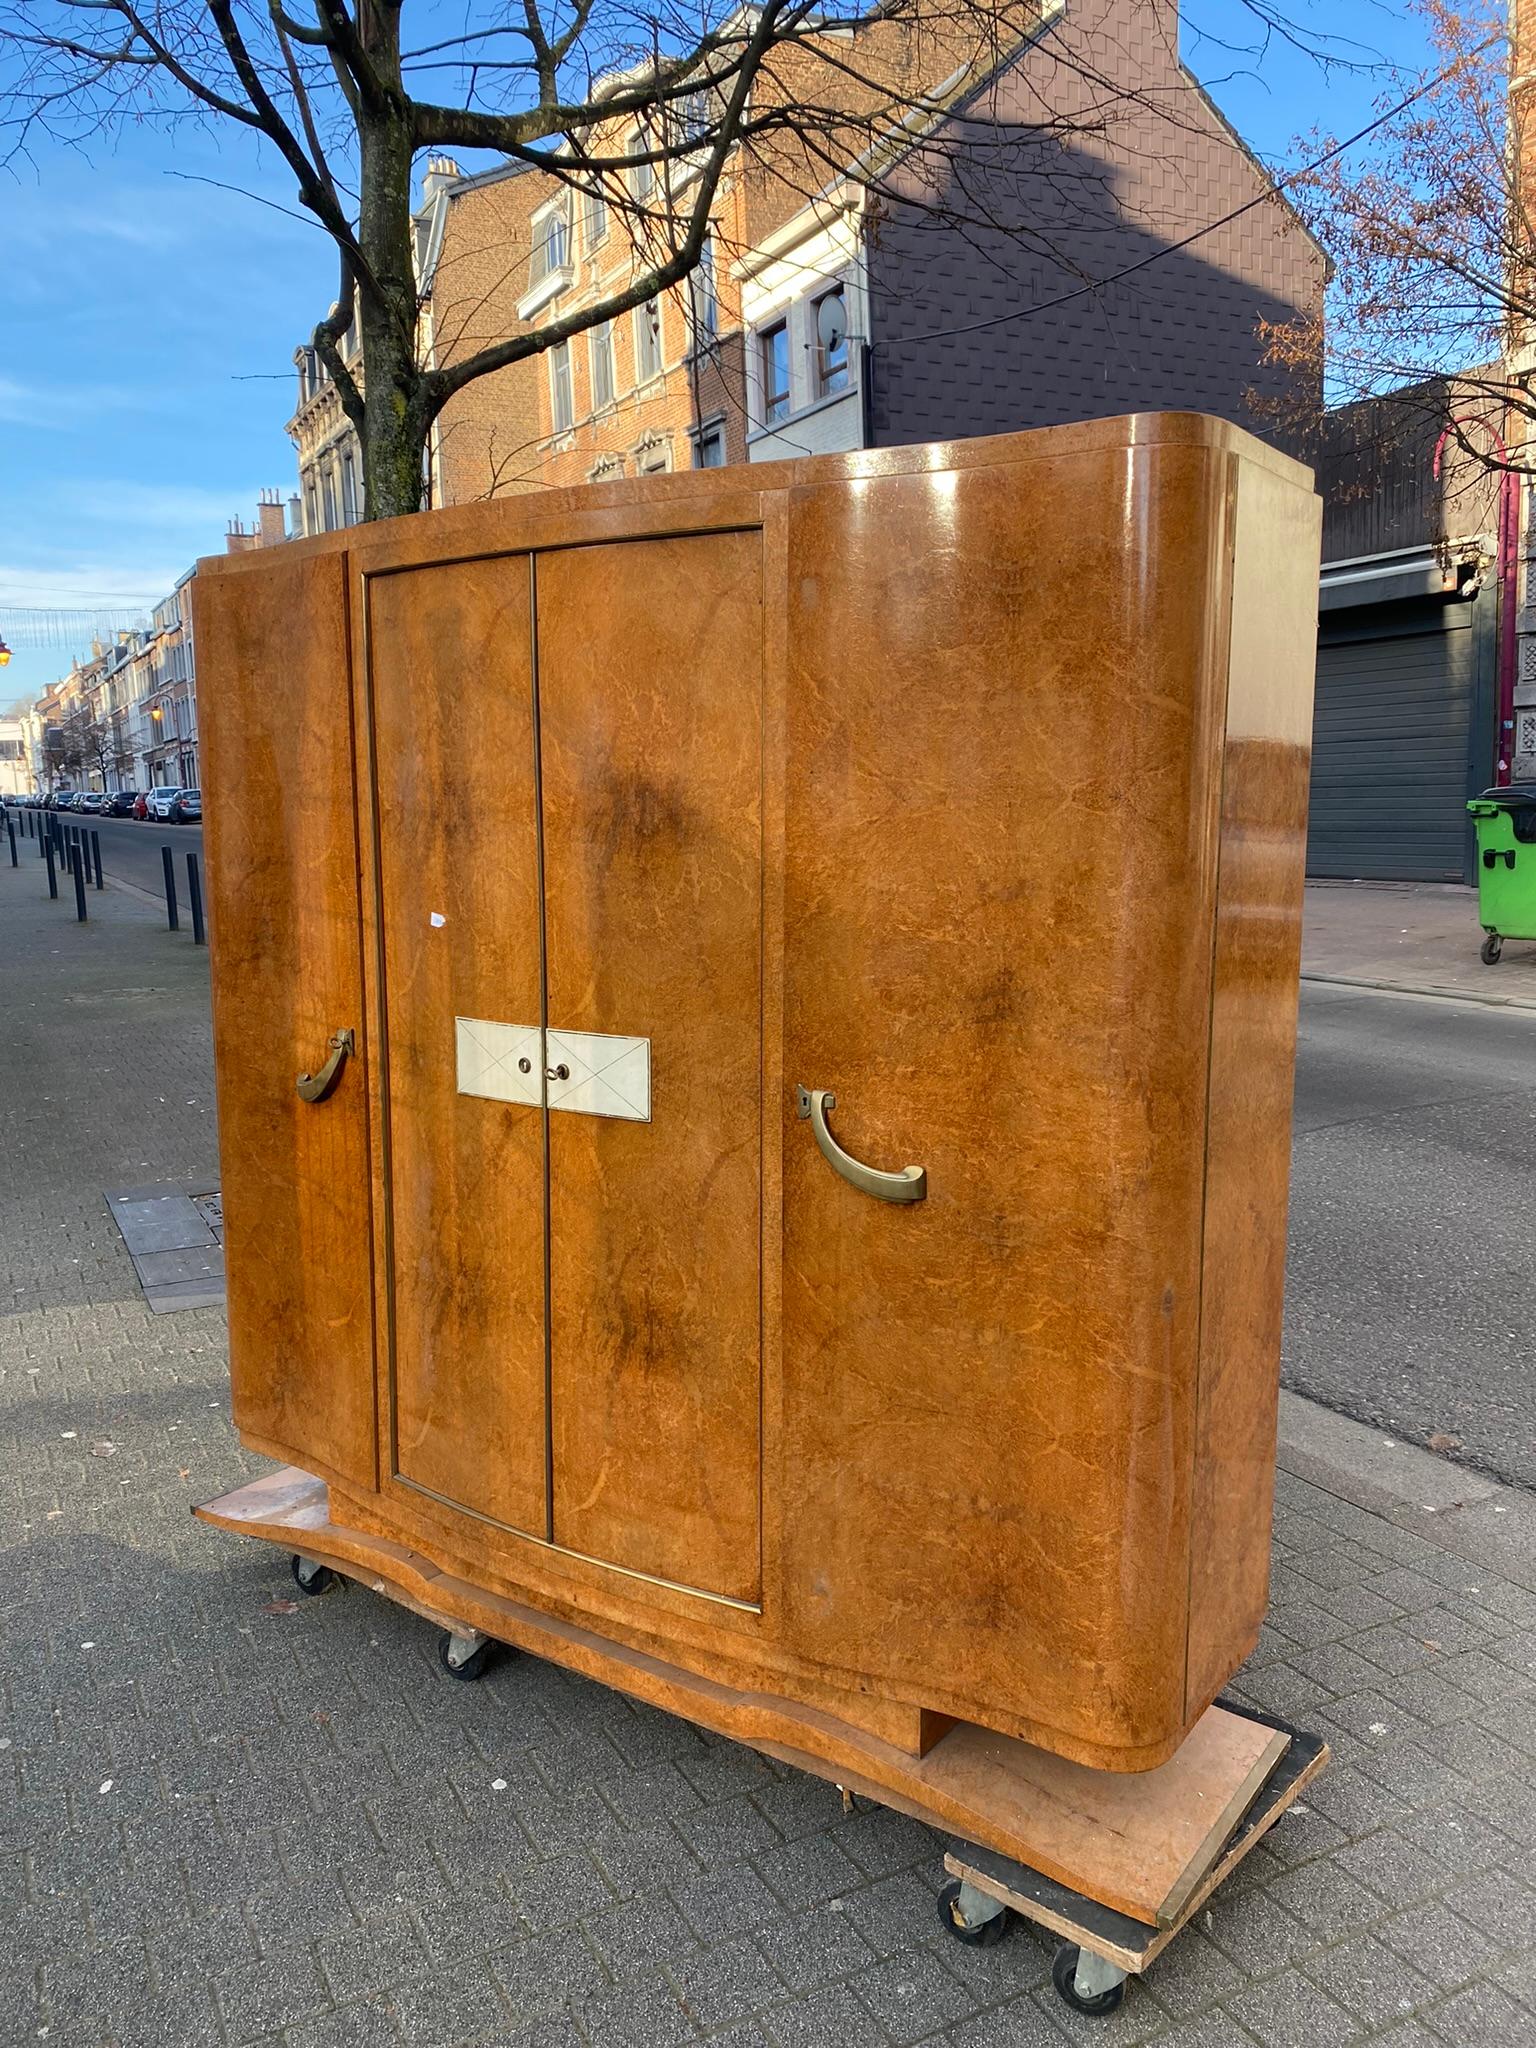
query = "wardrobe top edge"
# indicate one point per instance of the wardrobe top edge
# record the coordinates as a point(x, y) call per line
point(745, 480)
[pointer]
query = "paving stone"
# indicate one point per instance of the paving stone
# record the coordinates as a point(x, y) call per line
point(1019, 2024)
point(1395, 1869)
point(1255, 1932)
point(822, 2017)
point(1291, 2012)
point(641, 1933)
point(728, 1902)
point(813, 1948)
point(1375, 1985)
point(724, 1983)
point(1481, 2017)
point(1445, 1949)
point(911, 1995)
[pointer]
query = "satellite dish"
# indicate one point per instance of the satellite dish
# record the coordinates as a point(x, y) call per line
point(832, 322)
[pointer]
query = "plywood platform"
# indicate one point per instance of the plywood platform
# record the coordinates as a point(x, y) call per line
point(1140, 1846)
point(1127, 1942)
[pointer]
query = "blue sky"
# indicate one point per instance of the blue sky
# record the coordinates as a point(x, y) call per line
point(149, 321)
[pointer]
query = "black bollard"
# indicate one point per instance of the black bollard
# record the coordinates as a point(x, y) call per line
point(53, 873)
point(96, 859)
point(167, 861)
point(195, 899)
point(77, 870)
point(10, 826)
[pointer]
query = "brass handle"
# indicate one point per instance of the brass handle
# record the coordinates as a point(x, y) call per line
point(316, 1087)
point(910, 1185)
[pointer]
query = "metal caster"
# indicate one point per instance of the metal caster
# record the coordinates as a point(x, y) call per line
point(970, 1916)
point(1492, 947)
point(1086, 1982)
point(311, 1578)
point(465, 1656)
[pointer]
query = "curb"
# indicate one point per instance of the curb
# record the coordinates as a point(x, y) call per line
point(1409, 988)
point(1447, 1505)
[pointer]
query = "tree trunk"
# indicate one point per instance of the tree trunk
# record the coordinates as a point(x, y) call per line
point(393, 430)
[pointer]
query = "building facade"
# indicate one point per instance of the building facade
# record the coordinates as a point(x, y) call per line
point(935, 291)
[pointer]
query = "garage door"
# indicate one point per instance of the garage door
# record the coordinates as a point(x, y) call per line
point(1390, 741)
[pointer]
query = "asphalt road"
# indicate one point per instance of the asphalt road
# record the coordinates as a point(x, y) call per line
point(1411, 1294)
point(130, 849)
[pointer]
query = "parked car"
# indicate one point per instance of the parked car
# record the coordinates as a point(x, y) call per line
point(66, 799)
point(96, 802)
point(186, 807)
point(123, 801)
point(159, 804)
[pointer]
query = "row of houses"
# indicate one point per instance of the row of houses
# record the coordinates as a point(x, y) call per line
point(869, 306)
point(125, 716)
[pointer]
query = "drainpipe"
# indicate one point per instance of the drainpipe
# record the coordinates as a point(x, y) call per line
point(1508, 564)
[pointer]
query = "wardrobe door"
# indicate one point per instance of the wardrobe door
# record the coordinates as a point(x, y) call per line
point(651, 725)
point(276, 706)
point(452, 694)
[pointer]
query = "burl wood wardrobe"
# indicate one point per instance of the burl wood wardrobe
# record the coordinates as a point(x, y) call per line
point(793, 976)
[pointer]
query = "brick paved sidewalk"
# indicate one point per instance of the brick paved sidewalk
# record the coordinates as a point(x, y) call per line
point(233, 1817)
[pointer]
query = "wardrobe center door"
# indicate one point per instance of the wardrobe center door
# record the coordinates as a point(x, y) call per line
point(450, 659)
point(651, 745)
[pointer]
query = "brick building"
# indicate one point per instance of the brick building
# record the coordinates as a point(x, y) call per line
point(1028, 248)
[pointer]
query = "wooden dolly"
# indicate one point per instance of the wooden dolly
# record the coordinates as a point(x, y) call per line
point(1102, 1947)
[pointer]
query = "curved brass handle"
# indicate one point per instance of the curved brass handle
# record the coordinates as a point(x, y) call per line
point(910, 1185)
point(316, 1087)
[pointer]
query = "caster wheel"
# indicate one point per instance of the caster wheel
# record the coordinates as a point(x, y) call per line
point(474, 1665)
point(1493, 946)
point(311, 1579)
point(1064, 1975)
point(987, 1935)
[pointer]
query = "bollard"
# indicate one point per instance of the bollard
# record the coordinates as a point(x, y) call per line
point(167, 861)
point(53, 873)
point(96, 859)
point(10, 826)
point(195, 899)
point(77, 871)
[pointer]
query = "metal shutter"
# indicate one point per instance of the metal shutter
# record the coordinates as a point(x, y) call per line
point(1390, 737)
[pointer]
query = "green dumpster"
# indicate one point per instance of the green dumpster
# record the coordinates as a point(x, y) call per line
point(1506, 866)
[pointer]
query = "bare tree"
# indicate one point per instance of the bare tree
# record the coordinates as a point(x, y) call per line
point(644, 100)
point(1431, 315)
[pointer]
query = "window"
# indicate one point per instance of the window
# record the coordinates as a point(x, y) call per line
point(328, 498)
point(773, 347)
point(642, 176)
point(647, 341)
point(560, 387)
point(709, 446)
point(704, 300)
point(600, 344)
point(597, 217)
point(651, 457)
point(551, 239)
point(348, 488)
point(605, 469)
point(829, 329)
point(693, 117)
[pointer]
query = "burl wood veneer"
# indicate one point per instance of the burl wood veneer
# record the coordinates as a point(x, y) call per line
point(966, 782)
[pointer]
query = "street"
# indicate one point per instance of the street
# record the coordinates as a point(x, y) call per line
point(130, 848)
point(1413, 1195)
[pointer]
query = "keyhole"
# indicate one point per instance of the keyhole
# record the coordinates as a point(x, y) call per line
point(560, 1073)
point(525, 1066)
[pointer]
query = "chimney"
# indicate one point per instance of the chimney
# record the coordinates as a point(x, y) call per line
point(442, 172)
point(237, 540)
point(270, 528)
point(295, 517)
